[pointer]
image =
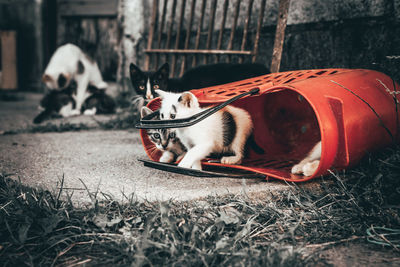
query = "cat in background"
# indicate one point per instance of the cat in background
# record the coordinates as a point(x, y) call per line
point(70, 63)
point(165, 140)
point(60, 103)
point(224, 132)
point(146, 83)
point(309, 165)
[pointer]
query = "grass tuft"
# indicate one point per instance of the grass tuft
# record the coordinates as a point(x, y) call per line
point(291, 229)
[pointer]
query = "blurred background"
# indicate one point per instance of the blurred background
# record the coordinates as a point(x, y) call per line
point(319, 34)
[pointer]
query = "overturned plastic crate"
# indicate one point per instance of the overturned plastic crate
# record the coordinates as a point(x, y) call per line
point(350, 111)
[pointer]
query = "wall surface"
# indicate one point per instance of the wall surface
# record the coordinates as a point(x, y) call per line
point(320, 34)
point(23, 16)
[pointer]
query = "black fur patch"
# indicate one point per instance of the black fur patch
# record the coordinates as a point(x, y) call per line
point(81, 67)
point(61, 81)
point(229, 128)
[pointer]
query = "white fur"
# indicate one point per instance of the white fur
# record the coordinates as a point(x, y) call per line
point(206, 136)
point(309, 165)
point(149, 95)
point(65, 61)
point(68, 111)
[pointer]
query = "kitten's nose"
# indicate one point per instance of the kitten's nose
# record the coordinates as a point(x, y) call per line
point(164, 146)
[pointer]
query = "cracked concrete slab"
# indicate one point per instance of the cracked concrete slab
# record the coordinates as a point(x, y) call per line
point(107, 161)
point(101, 160)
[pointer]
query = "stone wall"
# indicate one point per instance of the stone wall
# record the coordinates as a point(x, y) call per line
point(23, 16)
point(320, 34)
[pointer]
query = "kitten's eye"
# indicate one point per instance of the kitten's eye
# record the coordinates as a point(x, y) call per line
point(156, 86)
point(172, 135)
point(172, 116)
point(141, 87)
point(156, 136)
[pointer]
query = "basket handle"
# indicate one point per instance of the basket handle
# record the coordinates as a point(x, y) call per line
point(148, 123)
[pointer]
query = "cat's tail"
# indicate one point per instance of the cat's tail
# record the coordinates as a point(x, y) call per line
point(41, 117)
point(251, 143)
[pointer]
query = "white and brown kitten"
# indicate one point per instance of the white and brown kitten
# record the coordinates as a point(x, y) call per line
point(224, 132)
point(309, 165)
point(69, 63)
point(165, 140)
point(58, 103)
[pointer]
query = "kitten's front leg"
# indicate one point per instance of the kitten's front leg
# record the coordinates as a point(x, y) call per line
point(167, 157)
point(194, 156)
point(81, 91)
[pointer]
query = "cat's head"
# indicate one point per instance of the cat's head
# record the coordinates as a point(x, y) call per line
point(52, 103)
point(146, 82)
point(164, 139)
point(177, 105)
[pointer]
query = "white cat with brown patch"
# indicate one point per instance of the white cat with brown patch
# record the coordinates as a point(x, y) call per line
point(69, 63)
point(224, 132)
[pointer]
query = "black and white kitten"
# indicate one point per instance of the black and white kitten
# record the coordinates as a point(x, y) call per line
point(60, 103)
point(165, 140)
point(145, 83)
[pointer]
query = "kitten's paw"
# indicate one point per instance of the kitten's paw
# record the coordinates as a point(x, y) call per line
point(297, 169)
point(186, 163)
point(75, 112)
point(197, 165)
point(231, 160)
point(90, 112)
point(310, 168)
point(102, 85)
point(167, 157)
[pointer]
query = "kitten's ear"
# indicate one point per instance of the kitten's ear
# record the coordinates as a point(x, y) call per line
point(46, 78)
point(134, 71)
point(164, 70)
point(145, 111)
point(188, 99)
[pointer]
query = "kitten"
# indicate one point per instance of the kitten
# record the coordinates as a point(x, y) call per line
point(60, 103)
point(226, 131)
point(146, 83)
point(55, 104)
point(70, 63)
point(309, 165)
point(98, 102)
point(165, 140)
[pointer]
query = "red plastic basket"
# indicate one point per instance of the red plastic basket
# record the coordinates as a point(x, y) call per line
point(350, 111)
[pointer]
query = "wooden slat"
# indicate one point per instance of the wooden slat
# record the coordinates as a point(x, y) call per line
point(88, 7)
point(246, 28)
point(280, 35)
point(200, 26)
point(178, 36)
point(234, 25)
point(199, 51)
point(221, 30)
point(151, 33)
point(259, 24)
point(211, 27)
point(160, 30)
point(171, 24)
point(9, 75)
point(188, 33)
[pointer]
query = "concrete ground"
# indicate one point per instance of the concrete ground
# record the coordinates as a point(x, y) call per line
point(107, 161)
point(99, 160)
